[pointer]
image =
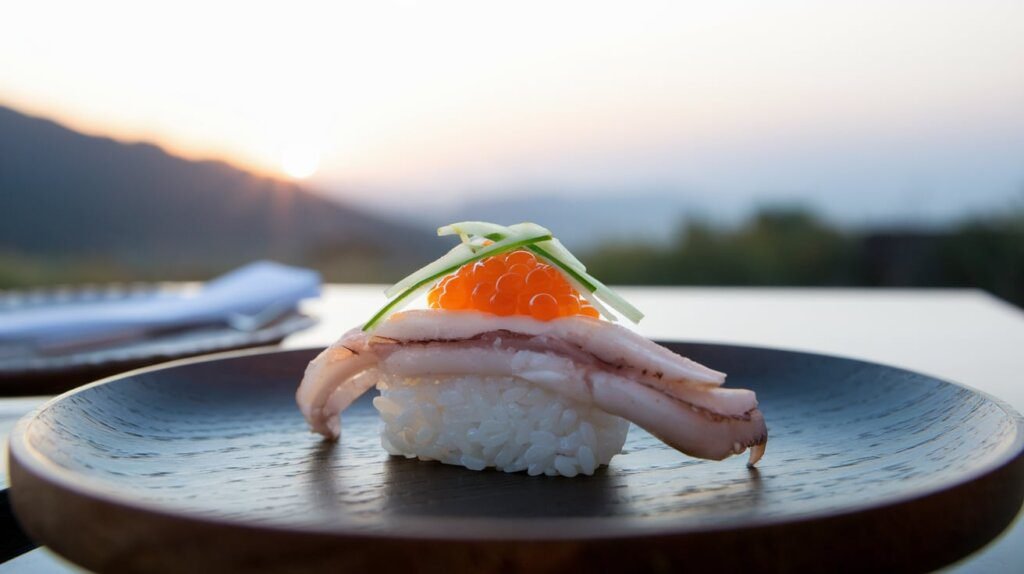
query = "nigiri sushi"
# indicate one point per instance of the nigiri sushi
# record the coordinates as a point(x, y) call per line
point(512, 366)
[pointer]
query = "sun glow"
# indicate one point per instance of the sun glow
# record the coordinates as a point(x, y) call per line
point(464, 97)
point(300, 161)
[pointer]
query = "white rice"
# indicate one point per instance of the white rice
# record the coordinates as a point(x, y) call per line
point(500, 422)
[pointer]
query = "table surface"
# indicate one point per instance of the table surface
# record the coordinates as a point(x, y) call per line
point(965, 336)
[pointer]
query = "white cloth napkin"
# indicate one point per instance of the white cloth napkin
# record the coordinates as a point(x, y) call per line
point(244, 291)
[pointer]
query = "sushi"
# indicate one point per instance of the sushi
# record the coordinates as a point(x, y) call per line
point(517, 364)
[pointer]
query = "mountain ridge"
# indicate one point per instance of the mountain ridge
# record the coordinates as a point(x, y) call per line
point(66, 195)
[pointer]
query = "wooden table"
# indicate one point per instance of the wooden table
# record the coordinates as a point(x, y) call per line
point(965, 336)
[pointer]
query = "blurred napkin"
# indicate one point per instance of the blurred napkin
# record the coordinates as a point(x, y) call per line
point(244, 292)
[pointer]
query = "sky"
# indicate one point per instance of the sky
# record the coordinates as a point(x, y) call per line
point(867, 107)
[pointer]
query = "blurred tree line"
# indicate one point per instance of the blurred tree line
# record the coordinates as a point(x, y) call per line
point(774, 247)
point(783, 246)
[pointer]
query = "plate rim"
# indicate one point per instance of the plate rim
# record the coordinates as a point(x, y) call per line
point(23, 455)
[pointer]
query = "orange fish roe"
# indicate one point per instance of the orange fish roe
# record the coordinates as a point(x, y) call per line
point(514, 283)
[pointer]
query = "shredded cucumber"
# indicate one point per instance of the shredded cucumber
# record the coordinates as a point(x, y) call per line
point(480, 239)
point(451, 262)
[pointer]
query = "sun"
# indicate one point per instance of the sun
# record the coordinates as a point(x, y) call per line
point(300, 160)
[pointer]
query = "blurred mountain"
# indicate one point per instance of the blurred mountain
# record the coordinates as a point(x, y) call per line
point(65, 196)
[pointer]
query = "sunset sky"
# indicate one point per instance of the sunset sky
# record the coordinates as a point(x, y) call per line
point(902, 102)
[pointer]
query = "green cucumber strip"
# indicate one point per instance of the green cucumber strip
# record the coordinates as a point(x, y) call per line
point(563, 266)
point(465, 249)
point(578, 282)
point(592, 285)
point(457, 253)
point(616, 301)
point(481, 228)
point(488, 251)
point(600, 290)
point(559, 251)
point(553, 250)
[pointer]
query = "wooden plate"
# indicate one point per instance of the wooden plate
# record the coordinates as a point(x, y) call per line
point(207, 465)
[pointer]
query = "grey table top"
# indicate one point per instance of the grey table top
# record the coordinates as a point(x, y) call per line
point(964, 336)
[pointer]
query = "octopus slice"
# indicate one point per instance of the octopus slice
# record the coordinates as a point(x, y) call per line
point(594, 362)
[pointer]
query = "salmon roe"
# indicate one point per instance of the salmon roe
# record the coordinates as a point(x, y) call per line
point(514, 283)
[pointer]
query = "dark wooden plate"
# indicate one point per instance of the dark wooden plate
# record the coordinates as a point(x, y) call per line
point(207, 465)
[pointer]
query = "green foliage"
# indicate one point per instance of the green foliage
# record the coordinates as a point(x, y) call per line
point(988, 253)
point(775, 247)
point(794, 247)
point(780, 246)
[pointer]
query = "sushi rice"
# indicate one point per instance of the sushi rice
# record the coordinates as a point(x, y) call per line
point(500, 422)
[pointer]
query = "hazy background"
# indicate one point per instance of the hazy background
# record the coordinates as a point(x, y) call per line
point(799, 142)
